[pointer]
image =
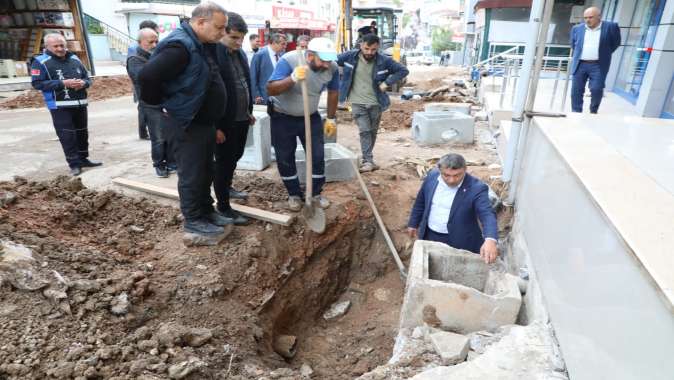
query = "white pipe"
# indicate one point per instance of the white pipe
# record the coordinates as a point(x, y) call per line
point(538, 63)
point(523, 87)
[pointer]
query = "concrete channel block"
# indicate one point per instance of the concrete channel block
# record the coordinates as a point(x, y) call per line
point(430, 128)
point(445, 107)
point(257, 154)
point(459, 287)
point(337, 163)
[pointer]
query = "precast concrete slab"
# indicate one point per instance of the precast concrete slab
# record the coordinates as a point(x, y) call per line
point(338, 165)
point(459, 289)
point(429, 128)
point(445, 107)
point(257, 154)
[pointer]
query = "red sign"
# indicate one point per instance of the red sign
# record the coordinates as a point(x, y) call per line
point(293, 18)
point(287, 12)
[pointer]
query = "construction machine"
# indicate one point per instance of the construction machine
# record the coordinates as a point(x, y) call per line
point(388, 24)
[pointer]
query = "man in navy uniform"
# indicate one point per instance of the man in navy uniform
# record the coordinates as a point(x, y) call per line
point(63, 80)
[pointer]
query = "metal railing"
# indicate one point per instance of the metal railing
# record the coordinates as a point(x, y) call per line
point(117, 40)
point(507, 64)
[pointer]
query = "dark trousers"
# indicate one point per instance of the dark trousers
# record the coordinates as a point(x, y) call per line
point(584, 72)
point(143, 126)
point(227, 155)
point(160, 152)
point(436, 236)
point(193, 149)
point(71, 129)
point(284, 132)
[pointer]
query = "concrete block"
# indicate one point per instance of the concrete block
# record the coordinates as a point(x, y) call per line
point(461, 290)
point(496, 116)
point(257, 154)
point(445, 107)
point(442, 127)
point(337, 163)
point(452, 348)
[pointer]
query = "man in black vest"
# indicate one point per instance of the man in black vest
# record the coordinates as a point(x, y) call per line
point(63, 80)
point(183, 78)
point(232, 130)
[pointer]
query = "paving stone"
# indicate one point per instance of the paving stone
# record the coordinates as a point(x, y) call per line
point(452, 348)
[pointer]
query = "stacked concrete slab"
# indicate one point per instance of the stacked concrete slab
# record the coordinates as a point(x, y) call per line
point(429, 128)
point(257, 155)
point(445, 107)
point(338, 165)
point(461, 290)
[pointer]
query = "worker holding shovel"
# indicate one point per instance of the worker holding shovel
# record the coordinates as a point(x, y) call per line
point(315, 70)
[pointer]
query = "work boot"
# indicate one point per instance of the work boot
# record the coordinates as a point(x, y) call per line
point(234, 194)
point(219, 219)
point(235, 216)
point(161, 171)
point(367, 167)
point(321, 201)
point(202, 226)
point(75, 171)
point(87, 163)
point(295, 203)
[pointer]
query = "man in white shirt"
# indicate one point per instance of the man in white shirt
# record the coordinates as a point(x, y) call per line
point(448, 207)
point(593, 43)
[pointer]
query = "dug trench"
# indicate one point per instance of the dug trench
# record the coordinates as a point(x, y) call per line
point(103, 288)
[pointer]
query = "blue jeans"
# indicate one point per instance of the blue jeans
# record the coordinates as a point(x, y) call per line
point(285, 130)
point(584, 72)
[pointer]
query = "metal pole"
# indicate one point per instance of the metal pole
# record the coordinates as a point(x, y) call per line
point(523, 87)
point(554, 88)
point(518, 147)
point(504, 82)
point(566, 82)
point(515, 78)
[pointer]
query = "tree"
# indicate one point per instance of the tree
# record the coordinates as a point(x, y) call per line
point(441, 39)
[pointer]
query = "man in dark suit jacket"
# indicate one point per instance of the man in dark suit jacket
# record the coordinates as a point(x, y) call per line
point(593, 43)
point(262, 66)
point(448, 207)
point(232, 129)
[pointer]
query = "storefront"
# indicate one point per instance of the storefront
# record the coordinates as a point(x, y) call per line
point(294, 22)
point(638, 46)
point(23, 24)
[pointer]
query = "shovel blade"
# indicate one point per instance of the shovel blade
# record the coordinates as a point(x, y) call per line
point(314, 217)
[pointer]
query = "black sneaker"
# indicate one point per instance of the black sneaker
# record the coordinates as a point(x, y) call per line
point(75, 171)
point(87, 163)
point(233, 194)
point(202, 226)
point(172, 168)
point(162, 172)
point(219, 219)
point(235, 216)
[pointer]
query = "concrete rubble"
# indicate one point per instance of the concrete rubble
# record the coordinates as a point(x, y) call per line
point(337, 310)
point(452, 348)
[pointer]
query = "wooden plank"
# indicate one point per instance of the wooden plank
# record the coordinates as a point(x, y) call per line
point(267, 216)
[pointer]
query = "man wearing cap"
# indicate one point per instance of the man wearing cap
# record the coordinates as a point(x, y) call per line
point(287, 113)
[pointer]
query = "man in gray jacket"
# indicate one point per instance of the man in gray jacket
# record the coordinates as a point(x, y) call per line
point(150, 114)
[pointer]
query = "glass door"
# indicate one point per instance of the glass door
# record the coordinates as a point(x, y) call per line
point(638, 47)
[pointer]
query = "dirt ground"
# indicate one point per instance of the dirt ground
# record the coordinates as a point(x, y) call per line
point(112, 293)
point(102, 88)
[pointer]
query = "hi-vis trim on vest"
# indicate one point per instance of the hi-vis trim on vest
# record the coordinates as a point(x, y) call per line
point(35, 72)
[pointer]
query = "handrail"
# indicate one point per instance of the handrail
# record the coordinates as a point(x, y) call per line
point(117, 40)
point(108, 26)
point(499, 55)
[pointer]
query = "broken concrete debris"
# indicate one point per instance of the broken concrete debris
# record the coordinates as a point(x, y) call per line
point(452, 348)
point(120, 304)
point(337, 310)
point(286, 346)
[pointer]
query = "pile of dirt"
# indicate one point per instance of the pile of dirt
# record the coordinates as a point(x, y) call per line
point(98, 285)
point(399, 115)
point(102, 88)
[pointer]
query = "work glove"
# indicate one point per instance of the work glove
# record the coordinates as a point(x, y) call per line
point(383, 86)
point(299, 73)
point(329, 127)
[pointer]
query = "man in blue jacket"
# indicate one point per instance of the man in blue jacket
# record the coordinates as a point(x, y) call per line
point(366, 75)
point(63, 80)
point(183, 78)
point(263, 64)
point(593, 43)
point(448, 207)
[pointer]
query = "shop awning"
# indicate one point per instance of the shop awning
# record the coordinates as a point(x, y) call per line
point(502, 4)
